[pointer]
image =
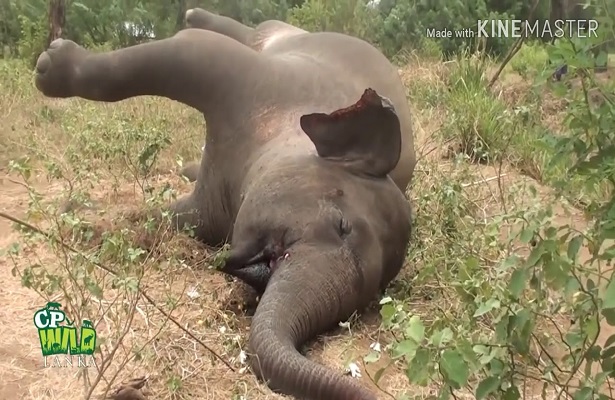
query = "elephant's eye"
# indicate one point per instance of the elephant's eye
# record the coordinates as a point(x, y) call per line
point(344, 227)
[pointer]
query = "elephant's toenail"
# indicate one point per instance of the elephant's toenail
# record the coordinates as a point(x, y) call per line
point(189, 13)
point(56, 43)
point(43, 63)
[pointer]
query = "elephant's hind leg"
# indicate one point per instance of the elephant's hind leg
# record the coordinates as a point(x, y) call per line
point(256, 38)
point(202, 19)
point(268, 32)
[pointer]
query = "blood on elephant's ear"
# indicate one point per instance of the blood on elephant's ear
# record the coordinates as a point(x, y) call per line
point(365, 137)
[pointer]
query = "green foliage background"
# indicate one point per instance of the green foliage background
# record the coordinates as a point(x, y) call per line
point(393, 25)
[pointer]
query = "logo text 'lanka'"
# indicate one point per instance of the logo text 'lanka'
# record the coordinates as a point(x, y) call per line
point(56, 339)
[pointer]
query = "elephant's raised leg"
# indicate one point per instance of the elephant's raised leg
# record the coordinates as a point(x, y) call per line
point(257, 38)
point(268, 32)
point(201, 69)
point(202, 19)
point(195, 67)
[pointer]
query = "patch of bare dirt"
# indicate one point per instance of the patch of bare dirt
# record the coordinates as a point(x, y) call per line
point(21, 374)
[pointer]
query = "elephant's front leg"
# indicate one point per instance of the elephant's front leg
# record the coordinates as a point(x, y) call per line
point(191, 171)
point(193, 215)
point(194, 67)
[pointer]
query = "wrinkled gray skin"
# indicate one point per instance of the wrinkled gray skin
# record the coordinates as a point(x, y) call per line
point(302, 169)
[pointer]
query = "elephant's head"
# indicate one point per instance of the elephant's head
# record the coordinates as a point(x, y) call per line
point(333, 229)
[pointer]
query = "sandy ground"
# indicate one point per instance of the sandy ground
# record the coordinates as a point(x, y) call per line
point(20, 356)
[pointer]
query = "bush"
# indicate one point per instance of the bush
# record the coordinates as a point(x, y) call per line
point(531, 60)
point(353, 17)
point(477, 121)
point(534, 310)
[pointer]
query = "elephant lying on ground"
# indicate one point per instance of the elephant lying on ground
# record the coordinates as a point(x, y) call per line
point(308, 150)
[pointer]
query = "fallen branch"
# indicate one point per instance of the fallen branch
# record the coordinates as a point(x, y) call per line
point(493, 178)
point(107, 269)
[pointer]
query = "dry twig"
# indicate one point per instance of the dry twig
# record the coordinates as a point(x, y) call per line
point(513, 50)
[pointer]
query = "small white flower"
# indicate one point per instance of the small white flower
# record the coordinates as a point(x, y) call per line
point(242, 357)
point(375, 346)
point(222, 329)
point(354, 370)
point(242, 370)
point(193, 293)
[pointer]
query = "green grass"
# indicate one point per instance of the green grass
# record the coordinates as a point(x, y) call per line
point(481, 123)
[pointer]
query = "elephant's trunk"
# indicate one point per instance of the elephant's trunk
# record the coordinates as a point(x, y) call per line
point(304, 298)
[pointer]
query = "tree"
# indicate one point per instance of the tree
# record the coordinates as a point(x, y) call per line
point(57, 19)
point(182, 7)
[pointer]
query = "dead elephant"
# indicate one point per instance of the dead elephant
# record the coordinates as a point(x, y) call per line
point(308, 150)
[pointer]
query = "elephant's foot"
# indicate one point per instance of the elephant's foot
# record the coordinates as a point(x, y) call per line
point(194, 215)
point(58, 69)
point(191, 171)
point(131, 390)
point(185, 214)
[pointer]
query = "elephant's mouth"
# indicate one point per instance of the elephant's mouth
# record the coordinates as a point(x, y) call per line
point(269, 258)
point(272, 254)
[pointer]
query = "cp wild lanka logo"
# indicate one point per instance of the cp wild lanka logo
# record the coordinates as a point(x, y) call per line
point(62, 340)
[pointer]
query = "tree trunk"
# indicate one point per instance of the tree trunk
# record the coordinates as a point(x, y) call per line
point(182, 7)
point(559, 9)
point(57, 19)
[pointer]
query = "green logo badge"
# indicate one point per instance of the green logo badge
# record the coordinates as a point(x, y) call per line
point(60, 340)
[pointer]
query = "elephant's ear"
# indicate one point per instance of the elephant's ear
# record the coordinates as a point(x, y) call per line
point(365, 137)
